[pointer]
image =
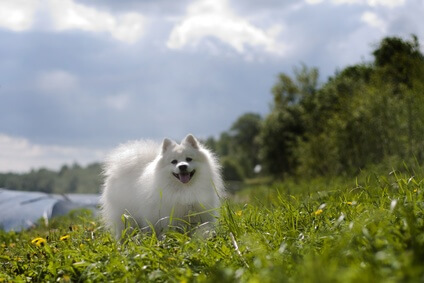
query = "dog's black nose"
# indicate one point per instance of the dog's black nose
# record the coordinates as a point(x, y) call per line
point(182, 167)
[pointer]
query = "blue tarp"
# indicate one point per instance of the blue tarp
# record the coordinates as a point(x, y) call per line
point(20, 210)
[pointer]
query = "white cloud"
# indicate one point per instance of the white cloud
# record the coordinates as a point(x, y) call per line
point(20, 15)
point(67, 15)
point(374, 20)
point(387, 3)
point(372, 3)
point(214, 18)
point(118, 102)
point(20, 155)
point(17, 15)
point(57, 82)
point(313, 2)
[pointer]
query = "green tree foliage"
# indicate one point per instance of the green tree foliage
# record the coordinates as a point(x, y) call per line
point(368, 113)
point(231, 170)
point(286, 124)
point(365, 114)
point(239, 146)
point(245, 145)
point(399, 60)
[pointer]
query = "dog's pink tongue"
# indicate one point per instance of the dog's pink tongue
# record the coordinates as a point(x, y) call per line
point(184, 178)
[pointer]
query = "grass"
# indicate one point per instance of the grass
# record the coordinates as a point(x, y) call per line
point(365, 230)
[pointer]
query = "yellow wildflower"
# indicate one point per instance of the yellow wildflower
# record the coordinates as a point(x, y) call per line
point(349, 203)
point(64, 238)
point(39, 241)
point(239, 213)
point(74, 228)
point(318, 212)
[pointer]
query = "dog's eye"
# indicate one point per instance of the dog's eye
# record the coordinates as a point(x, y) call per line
point(174, 161)
point(188, 159)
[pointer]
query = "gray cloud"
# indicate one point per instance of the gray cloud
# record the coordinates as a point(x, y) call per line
point(151, 7)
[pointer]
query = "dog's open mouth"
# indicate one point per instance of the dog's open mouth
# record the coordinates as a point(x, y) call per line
point(184, 177)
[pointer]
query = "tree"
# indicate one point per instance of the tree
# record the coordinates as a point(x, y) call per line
point(285, 126)
point(244, 132)
point(367, 113)
point(401, 64)
point(231, 170)
point(278, 138)
point(399, 60)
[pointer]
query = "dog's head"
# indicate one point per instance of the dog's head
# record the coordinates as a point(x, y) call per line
point(184, 160)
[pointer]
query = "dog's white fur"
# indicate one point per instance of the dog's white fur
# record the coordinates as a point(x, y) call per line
point(148, 182)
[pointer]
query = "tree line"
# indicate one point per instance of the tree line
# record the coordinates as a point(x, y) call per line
point(69, 179)
point(366, 114)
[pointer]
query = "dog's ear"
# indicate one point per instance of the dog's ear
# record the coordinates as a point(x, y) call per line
point(191, 140)
point(166, 144)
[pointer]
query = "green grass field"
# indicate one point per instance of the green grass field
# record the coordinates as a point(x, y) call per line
point(369, 229)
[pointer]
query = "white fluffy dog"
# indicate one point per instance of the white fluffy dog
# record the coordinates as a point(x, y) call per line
point(161, 186)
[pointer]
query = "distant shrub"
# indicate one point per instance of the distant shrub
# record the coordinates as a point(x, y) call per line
point(231, 170)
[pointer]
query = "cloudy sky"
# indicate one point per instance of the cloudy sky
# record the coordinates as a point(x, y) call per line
point(78, 77)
